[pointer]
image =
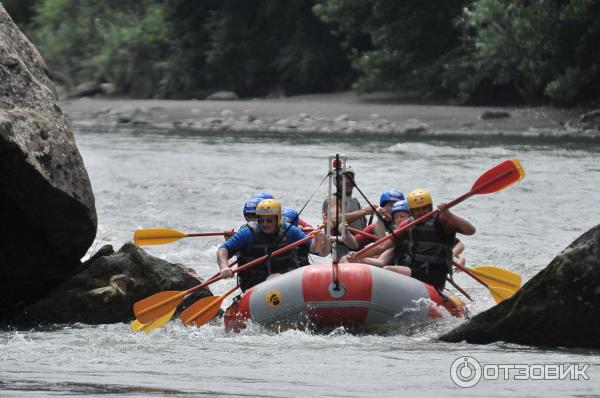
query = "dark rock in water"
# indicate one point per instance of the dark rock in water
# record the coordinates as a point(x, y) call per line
point(494, 115)
point(47, 213)
point(559, 307)
point(108, 286)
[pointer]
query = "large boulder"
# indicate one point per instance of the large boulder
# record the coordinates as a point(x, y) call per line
point(558, 307)
point(47, 213)
point(108, 286)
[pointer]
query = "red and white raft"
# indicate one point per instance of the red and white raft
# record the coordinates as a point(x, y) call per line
point(369, 298)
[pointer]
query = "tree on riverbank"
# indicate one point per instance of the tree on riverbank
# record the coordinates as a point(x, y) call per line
point(465, 51)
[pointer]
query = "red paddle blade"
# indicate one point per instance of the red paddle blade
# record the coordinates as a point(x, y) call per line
point(500, 177)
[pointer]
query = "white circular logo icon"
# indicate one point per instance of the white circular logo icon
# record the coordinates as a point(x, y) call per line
point(465, 372)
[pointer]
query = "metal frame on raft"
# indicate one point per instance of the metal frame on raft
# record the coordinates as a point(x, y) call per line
point(337, 168)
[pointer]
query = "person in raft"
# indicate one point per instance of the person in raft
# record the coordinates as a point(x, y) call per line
point(398, 214)
point(426, 247)
point(249, 210)
point(263, 237)
point(355, 215)
point(379, 228)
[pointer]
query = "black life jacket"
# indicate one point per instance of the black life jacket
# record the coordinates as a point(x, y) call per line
point(430, 246)
point(265, 244)
point(401, 253)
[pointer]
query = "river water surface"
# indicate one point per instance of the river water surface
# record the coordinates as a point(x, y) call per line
point(198, 182)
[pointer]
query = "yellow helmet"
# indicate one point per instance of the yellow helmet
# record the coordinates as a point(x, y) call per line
point(269, 207)
point(419, 198)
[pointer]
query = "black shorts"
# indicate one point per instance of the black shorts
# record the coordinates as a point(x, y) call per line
point(436, 277)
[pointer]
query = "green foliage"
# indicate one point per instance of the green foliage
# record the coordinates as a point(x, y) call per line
point(544, 48)
point(462, 50)
point(118, 41)
point(260, 45)
point(408, 40)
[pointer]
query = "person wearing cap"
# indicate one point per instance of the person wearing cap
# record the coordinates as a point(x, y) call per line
point(251, 243)
point(428, 245)
point(355, 215)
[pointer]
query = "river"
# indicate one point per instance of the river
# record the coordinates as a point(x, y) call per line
point(197, 182)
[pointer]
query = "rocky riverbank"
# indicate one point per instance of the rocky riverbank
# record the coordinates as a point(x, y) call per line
point(381, 113)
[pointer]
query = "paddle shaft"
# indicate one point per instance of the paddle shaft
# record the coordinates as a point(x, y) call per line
point(184, 293)
point(252, 263)
point(359, 232)
point(460, 289)
point(425, 217)
point(208, 234)
point(471, 274)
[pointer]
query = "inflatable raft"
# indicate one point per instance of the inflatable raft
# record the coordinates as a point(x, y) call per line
point(368, 298)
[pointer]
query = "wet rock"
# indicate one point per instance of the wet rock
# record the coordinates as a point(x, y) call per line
point(214, 120)
point(342, 118)
point(47, 212)
point(591, 119)
point(108, 286)
point(494, 115)
point(223, 96)
point(85, 89)
point(558, 307)
point(413, 126)
point(247, 118)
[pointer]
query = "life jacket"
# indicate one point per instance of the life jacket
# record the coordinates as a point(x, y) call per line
point(430, 246)
point(401, 252)
point(265, 244)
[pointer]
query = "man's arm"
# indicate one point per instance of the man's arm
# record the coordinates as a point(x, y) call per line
point(352, 216)
point(460, 225)
point(222, 261)
point(233, 245)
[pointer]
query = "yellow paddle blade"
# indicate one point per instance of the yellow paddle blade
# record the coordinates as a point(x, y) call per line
point(519, 167)
point(158, 305)
point(202, 311)
point(497, 276)
point(156, 236)
point(500, 294)
point(137, 326)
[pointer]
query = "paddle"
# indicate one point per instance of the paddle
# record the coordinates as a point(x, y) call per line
point(137, 326)
point(495, 179)
point(359, 232)
point(497, 276)
point(460, 289)
point(202, 311)
point(161, 236)
point(499, 294)
point(159, 304)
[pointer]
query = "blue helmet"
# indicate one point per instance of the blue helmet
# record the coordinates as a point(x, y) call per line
point(390, 195)
point(401, 205)
point(263, 195)
point(289, 215)
point(250, 206)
